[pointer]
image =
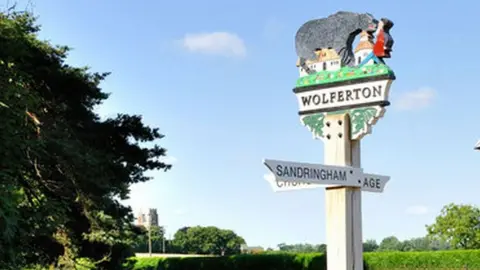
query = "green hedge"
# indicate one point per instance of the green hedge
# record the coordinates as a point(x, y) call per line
point(372, 261)
point(424, 260)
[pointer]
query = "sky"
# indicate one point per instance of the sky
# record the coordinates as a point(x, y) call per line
point(216, 77)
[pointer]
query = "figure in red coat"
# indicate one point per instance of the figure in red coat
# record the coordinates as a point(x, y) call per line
point(384, 41)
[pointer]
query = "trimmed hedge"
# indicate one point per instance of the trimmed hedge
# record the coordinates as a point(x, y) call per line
point(372, 261)
point(458, 259)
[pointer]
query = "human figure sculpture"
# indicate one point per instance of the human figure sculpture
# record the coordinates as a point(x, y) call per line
point(384, 41)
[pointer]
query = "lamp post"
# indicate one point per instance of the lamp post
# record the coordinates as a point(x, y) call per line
point(150, 241)
point(163, 238)
point(149, 227)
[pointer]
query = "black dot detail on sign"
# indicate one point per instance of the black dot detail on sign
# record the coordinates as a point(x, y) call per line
point(328, 124)
point(351, 172)
point(340, 135)
point(359, 181)
point(328, 136)
point(339, 122)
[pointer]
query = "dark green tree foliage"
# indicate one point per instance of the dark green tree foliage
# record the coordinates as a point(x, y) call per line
point(302, 248)
point(390, 244)
point(207, 240)
point(370, 246)
point(62, 169)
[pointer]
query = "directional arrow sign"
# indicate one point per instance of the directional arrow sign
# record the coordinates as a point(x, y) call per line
point(286, 178)
point(374, 183)
point(279, 186)
point(370, 183)
point(286, 171)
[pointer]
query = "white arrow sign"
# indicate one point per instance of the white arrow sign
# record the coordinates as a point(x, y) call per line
point(368, 182)
point(286, 171)
point(279, 186)
point(374, 183)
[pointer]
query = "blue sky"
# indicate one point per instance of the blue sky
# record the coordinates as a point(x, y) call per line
point(224, 102)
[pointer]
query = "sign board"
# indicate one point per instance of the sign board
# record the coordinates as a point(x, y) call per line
point(279, 186)
point(343, 97)
point(340, 89)
point(374, 183)
point(287, 171)
point(370, 183)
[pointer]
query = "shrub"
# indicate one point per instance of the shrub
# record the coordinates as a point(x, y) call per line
point(455, 259)
point(150, 263)
point(315, 261)
point(238, 262)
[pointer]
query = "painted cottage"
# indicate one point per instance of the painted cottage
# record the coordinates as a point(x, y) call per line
point(327, 60)
point(364, 48)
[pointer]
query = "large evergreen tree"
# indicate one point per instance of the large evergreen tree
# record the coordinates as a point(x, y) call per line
point(63, 170)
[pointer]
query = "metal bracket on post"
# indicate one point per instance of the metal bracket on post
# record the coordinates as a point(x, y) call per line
point(343, 204)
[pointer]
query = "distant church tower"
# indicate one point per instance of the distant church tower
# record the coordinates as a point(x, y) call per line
point(141, 219)
point(151, 218)
point(364, 48)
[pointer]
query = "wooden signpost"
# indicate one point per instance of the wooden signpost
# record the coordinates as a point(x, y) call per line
point(368, 182)
point(295, 175)
point(314, 173)
point(341, 94)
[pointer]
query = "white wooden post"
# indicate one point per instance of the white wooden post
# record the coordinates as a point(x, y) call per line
point(343, 204)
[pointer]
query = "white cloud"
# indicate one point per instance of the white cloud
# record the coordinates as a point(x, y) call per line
point(414, 100)
point(216, 43)
point(417, 210)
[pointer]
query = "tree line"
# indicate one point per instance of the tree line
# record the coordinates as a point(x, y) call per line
point(390, 243)
point(208, 240)
point(456, 227)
